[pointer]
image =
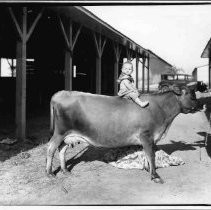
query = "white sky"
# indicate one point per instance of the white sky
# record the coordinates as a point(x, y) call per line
point(178, 34)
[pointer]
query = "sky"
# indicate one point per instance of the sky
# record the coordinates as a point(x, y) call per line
point(176, 33)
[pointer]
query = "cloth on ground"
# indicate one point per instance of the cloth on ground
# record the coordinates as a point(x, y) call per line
point(132, 158)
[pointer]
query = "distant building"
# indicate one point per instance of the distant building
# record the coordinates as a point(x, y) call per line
point(201, 74)
point(207, 54)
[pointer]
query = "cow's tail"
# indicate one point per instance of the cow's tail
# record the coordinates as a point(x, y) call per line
point(52, 119)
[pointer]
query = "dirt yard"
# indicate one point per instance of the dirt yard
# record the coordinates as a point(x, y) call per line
point(92, 181)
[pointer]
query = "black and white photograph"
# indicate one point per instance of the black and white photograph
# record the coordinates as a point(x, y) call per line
point(105, 104)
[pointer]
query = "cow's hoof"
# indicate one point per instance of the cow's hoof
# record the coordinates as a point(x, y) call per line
point(50, 175)
point(158, 180)
point(65, 172)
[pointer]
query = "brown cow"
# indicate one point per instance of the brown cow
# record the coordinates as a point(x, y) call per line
point(108, 121)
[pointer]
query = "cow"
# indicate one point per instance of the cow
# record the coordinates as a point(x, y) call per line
point(112, 121)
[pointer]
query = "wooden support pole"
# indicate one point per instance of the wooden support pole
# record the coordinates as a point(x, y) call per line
point(21, 80)
point(21, 56)
point(143, 73)
point(209, 70)
point(117, 52)
point(137, 70)
point(99, 49)
point(68, 57)
point(70, 42)
point(0, 67)
point(148, 74)
point(129, 54)
point(98, 75)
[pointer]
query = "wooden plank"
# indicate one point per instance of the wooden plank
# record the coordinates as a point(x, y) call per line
point(21, 81)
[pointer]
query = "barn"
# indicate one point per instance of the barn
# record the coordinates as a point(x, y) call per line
point(206, 54)
point(53, 47)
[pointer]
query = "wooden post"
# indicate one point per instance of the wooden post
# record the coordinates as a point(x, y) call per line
point(21, 80)
point(23, 37)
point(148, 73)
point(137, 70)
point(70, 42)
point(209, 70)
point(98, 74)
point(143, 73)
point(129, 54)
point(117, 52)
point(68, 57)
point(0, 67)
point(99, 49)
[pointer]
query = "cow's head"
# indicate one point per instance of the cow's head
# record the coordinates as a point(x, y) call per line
point(187, 98)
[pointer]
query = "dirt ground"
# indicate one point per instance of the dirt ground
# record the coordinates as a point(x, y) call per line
point(92, 181)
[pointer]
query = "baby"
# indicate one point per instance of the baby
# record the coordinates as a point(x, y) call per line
point(127, 88)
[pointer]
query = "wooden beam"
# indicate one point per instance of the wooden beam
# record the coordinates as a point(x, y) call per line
point(21, 80)
point(76, 37)
point(209, 71)
point(99, 48)
point(68, 56)
point(98, 75)
point(34, 24)
point(0, 67)
point(96, 44)
point(148, 73)
point(20, 33)
point(137, 70)
point(117, 52)
point(64, 33)
point(143, 73)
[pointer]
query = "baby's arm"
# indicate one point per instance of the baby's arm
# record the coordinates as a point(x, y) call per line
point(129, 85)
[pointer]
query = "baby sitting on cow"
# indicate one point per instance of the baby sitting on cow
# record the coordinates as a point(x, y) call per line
point(127, 87)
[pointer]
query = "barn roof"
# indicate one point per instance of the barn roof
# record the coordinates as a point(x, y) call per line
point(153, 55)
point(205, 53)
point(89, 20)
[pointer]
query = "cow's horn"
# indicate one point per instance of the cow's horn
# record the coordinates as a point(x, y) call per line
point(191, 84)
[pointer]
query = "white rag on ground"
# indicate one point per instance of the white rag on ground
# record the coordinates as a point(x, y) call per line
point(132, 158)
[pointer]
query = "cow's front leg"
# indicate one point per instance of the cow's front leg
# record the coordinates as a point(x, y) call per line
point(54, 143)
point(147, 143)
point(62, 150)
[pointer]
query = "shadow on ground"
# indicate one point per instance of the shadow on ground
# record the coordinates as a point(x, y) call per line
point(37, 133)
point(89, 153)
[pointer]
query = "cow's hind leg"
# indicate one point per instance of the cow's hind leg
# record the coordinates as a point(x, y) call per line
point(54, 143)
point(62, 150)
point(147, 142)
